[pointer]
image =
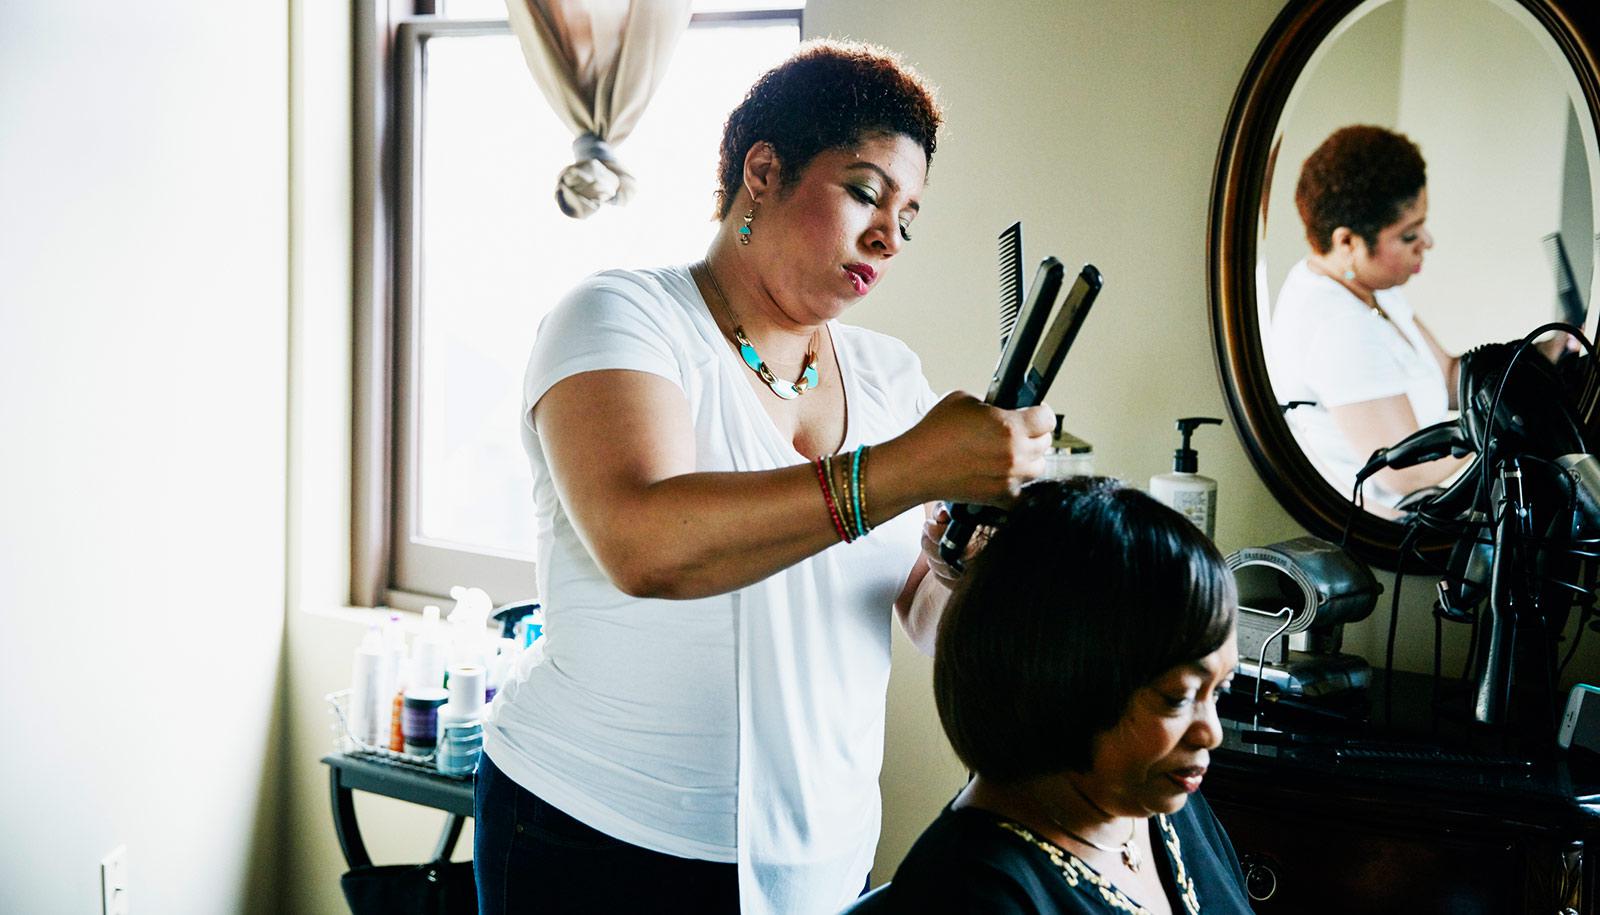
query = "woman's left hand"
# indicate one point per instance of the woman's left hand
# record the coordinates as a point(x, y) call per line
point(921, 602)
point(933, 530)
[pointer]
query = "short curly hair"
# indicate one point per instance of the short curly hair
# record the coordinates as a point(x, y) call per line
point(827, 95)
point(1361, 177)
point(1089, 591)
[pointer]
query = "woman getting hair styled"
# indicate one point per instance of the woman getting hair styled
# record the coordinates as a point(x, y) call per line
point(1077, 671)
point(724, 479)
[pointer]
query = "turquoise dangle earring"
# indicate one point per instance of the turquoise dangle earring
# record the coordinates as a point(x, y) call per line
point(744, 230)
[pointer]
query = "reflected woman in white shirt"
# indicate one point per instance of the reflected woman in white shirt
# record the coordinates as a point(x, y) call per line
point(1343, 336)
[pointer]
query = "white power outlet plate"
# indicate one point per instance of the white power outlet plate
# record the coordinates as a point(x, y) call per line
point(114, 881)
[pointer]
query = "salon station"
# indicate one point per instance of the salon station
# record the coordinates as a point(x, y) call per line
point(1182, 496)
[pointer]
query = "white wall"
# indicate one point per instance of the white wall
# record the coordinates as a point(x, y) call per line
point(143, 248)
point(1483, 98)
point(1353, 79)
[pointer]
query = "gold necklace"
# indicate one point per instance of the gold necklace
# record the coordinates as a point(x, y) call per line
point(747, 350)
point(1370, 303)
point(1130, 852)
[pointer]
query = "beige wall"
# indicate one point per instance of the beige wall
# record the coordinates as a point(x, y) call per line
point(143, 315)
point(1484, 99)
point(1353, 79)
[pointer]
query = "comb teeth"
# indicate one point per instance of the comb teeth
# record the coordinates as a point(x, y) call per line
point(1557, 252)
point(1569, 298)
point(1010, 280)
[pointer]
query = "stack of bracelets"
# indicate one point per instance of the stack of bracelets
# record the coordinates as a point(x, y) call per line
point(847, 499)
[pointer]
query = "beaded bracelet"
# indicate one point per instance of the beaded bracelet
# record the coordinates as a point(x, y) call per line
point(842, 496)
point(840, 479)
point(858, 492)
point(827, 496)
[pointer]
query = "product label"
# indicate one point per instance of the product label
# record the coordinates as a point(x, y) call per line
point(1198, 507)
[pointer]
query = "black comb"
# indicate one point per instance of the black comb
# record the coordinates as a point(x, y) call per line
point(1568, 298)
point(1010, 280)
point(1028, 364)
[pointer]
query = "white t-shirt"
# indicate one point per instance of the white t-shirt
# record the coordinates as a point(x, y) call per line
point(744, 727)
point(1328, 347)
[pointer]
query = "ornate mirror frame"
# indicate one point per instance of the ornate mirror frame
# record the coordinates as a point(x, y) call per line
point(1243, 168)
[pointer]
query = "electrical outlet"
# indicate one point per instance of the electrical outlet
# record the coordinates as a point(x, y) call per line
point(114, 882)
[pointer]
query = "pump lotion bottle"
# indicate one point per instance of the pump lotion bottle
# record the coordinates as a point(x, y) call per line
point(1185, 490)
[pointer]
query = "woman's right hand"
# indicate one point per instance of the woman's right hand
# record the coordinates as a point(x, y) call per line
point(965, 450)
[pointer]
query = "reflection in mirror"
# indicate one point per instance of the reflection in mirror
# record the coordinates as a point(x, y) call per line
point(1353, 328)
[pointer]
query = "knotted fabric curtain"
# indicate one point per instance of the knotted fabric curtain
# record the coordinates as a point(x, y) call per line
point(597, 62)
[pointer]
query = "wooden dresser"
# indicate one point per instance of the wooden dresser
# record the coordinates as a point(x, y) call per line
point(1325, 831)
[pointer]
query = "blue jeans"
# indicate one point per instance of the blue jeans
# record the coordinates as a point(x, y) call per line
point(531, 857)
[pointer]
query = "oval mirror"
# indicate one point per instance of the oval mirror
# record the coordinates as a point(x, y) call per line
point(1500, 99)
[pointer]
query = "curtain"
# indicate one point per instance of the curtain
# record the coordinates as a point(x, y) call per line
point(597, 63)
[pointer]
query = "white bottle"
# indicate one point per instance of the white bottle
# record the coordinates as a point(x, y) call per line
point(1184, 490)
point(459, 743)
point(388, 706)
point(428, 653)
point(366, 683)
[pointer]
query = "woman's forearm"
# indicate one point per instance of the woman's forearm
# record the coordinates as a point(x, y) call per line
point(622, 455)
point(699, 534)
point(621, 450)
point(920, 614)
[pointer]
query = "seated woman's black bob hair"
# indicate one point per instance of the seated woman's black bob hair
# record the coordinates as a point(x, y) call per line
point(1089, 591)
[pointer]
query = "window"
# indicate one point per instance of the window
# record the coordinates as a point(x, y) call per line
point(469, 252)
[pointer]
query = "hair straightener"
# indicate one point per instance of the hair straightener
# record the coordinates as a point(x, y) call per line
point(1030, 356)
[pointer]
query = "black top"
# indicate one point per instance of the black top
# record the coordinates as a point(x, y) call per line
point(972, 860)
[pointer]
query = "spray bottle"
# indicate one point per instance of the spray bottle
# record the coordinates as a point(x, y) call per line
point(1189, 493)
point(469, 620)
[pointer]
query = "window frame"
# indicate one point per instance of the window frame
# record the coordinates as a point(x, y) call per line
point(386, 567)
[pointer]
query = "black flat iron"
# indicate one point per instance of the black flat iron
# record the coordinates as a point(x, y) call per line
point(1030, 356)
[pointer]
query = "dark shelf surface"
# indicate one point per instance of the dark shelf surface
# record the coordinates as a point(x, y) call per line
point(1317, 757)
point(402, 780)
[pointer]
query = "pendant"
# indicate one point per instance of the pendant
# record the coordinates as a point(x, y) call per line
point(1130, 857)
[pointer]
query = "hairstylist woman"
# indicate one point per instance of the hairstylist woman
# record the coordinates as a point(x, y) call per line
point(724, 479)
point(1343, 335)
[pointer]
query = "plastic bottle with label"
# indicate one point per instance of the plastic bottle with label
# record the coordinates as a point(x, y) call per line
point(1184, 489)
